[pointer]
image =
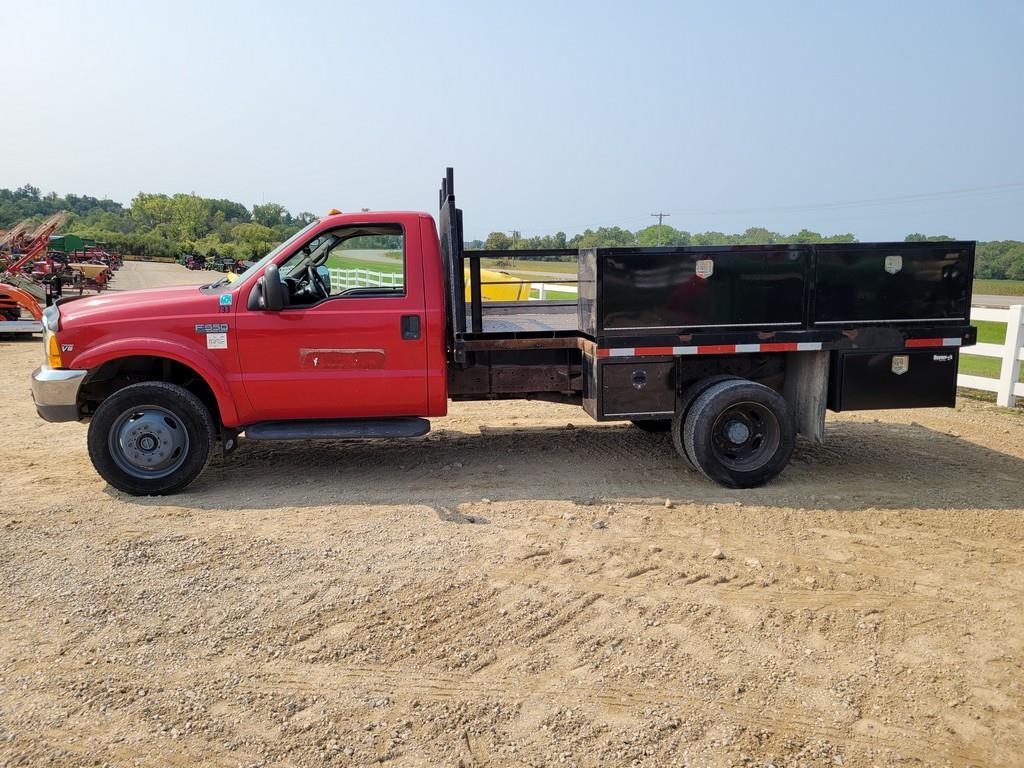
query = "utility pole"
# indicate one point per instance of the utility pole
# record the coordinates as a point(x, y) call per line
point(659, 216)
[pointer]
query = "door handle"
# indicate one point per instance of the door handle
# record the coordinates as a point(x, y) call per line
point(410, 327)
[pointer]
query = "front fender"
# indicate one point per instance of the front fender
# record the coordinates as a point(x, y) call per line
point(93, 357)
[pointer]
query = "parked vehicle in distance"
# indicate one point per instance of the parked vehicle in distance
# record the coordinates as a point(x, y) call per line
point(732, 349)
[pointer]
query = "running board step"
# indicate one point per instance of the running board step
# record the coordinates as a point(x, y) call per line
point(337, 429)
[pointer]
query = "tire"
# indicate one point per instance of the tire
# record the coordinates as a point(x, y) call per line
point(682, 408)
point(739, 433)
point(151, 439)
point(654, 425)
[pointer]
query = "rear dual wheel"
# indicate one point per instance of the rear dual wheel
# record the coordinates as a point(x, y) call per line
point(736, 432)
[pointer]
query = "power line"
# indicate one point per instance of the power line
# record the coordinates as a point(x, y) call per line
point(949, 194)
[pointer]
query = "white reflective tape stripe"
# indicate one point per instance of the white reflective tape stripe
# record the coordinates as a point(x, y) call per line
point(952, 342)
point(802, 346)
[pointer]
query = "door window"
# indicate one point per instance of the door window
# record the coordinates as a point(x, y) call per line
point(351, 262)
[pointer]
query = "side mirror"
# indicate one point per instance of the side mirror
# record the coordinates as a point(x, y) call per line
point(273, 291)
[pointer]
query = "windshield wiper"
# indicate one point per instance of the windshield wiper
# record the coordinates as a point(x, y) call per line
point(214, 284)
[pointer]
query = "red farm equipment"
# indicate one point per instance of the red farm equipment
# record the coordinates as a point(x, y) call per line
point(85, 262)
point(21, 249)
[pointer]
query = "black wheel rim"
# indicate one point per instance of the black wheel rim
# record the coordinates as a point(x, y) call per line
point(745, 436)
point(148, 442)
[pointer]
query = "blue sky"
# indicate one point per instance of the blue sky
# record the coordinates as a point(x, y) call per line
point(555, 115)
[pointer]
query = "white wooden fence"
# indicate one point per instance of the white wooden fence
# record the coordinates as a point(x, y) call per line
point(1008, 386)
point(543, 289)
point(343, 279)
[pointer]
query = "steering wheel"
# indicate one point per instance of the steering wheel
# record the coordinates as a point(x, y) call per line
point(318, 281)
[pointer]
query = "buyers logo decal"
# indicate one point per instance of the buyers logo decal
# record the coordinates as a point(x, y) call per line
point(216, 341)
point(225, 300)
point(705, 268)
point(900, 364)
point(893, 264)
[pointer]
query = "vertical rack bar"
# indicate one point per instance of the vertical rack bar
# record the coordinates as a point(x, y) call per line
point(475, 297)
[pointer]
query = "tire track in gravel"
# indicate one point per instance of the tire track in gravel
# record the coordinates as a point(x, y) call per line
point(377, 681)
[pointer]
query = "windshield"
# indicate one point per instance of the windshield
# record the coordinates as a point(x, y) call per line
point(256, 266)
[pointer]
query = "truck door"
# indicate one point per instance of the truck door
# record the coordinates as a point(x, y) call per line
point(352, 346)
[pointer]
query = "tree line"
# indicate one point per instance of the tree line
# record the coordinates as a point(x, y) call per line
point(173, 225)
point(162, 225)
point(654, 235)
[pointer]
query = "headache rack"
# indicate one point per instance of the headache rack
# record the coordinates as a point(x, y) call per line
point(473, 323)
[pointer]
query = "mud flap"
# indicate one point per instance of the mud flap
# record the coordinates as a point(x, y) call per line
point(806, 392)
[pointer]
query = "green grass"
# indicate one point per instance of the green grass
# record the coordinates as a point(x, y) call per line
point(999, 287)
point(344, 260)
point(554, 295)
point(989, 332)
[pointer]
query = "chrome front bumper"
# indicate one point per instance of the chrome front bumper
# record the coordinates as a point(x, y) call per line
point(55, 393)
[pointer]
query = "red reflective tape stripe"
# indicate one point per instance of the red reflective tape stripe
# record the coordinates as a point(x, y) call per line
point(603, 352)
point(716, 349)
point(924, 342)
point(653, 350)
point(780, 346)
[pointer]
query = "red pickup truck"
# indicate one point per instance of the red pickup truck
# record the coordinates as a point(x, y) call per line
point(733, 349)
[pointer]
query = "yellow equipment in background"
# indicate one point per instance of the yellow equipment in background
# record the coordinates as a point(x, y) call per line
point(90, 271)
point(499, 286)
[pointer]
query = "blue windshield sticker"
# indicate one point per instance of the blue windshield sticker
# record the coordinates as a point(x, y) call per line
point(225, 299)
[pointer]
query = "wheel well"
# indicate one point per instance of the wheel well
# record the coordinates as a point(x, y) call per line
point(117, 374)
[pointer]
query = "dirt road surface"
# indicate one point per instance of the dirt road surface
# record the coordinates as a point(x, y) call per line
point(134, 275)
point(513, 590)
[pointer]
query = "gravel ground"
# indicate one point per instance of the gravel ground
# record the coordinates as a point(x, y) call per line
point(521, 587)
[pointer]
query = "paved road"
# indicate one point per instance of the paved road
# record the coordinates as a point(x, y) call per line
point(982, 300)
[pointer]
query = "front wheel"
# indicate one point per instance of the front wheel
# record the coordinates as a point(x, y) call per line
point(739, 433)
point(151, 439)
